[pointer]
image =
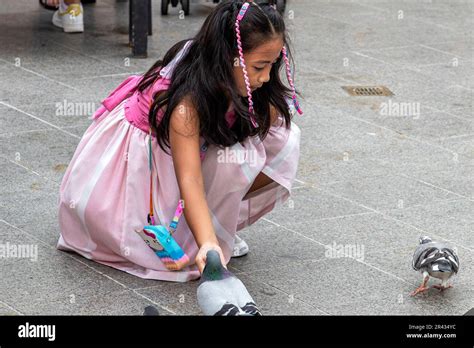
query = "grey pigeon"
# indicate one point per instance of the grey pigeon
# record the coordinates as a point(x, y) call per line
point(469, 312)
point(437, 260)
point(151, 311)
point(221, 293)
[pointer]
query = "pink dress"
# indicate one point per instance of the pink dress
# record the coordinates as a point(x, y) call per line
point(104, 194)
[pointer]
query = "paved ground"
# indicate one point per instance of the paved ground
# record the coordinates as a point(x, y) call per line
point(371, 177)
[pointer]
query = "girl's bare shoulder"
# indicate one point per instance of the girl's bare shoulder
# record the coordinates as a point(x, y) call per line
point(184, 118)
point(274, 114)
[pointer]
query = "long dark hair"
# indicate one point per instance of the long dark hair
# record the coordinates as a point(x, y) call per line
point(205, 75)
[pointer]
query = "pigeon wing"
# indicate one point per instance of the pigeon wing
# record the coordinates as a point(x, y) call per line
point(251, 309)
point(242, 297)
point(228, 309)
point(453, 258)
point(422, 253)
point(425, 254)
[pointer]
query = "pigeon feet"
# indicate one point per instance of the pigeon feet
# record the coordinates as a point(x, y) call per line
point(441, 287)
point(419, 290)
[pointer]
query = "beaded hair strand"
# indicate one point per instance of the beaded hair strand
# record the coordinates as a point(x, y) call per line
point(290, 80)
point(288, 73)
point(240, 16)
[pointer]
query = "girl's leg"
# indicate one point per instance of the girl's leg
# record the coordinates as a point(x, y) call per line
point(240, 246)
point(260, 181)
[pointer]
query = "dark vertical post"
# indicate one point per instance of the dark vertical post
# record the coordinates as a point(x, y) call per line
point(139, 27)
point(150, 16)
point(130, 24)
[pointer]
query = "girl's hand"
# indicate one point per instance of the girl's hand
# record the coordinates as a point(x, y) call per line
point(201, 256)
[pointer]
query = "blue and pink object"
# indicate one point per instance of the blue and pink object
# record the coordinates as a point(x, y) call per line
point(160, 240)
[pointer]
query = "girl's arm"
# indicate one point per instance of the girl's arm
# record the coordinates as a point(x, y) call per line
point(184, 142)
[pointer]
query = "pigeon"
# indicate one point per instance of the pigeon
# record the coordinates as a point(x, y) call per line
point(221, 293)
point(437, 260)
point(151, 311)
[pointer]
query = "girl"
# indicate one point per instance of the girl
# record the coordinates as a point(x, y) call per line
point(218, 119)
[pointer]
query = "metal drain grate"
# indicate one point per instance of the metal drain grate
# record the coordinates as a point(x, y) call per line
point(367, 91)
